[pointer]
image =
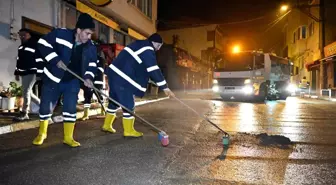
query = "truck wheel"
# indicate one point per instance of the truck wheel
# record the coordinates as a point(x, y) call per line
point(283, 96)
point(262, 94)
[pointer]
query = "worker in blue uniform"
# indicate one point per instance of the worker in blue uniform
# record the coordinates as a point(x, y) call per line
point(99, 84)
point(128, 75)
point(66, 49)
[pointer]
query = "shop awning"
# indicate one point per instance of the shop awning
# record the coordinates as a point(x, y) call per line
point(313, 65)
point(329, 58)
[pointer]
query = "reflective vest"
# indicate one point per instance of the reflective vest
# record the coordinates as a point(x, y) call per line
point(303, 83)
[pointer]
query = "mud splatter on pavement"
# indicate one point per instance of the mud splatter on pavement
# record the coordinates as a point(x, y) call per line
point(262, 139)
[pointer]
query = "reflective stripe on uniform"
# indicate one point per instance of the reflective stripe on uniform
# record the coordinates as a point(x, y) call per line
point(52, 77)
point(64, 42)
point(99, 82)
point(92, 64)
point(150, 69)
point(68, 114)
point(127, 78)
point(51, 56)
point(39, 60)
point(89, 73)
point(139, 51)
point(87, 105)
point(134, 55)
point(30, 49)
point(162, 83)
point(44, 42)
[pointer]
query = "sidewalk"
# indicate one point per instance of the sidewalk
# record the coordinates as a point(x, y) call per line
point(320, 97)
point(7, 125)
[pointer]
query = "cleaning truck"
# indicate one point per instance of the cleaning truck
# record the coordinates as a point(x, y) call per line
point(253, 76)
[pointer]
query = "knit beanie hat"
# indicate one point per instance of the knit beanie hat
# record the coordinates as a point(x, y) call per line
point(85, 21)
point(155, 38)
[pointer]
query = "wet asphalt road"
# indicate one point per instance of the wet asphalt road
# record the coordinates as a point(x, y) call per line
point(193, 156)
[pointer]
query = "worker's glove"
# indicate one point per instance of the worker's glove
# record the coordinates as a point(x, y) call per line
point(61, 65)
point(168, 92)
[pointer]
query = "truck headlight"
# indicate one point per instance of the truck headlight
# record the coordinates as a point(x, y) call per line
point(247, 81)
point(291, 88)
point(248, 89)
point(215, 81)
point(215, 88)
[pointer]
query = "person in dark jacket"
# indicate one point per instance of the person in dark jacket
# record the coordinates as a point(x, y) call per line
point(128, 75)
point(98, 83)
point(66, 49)
point(27, 67)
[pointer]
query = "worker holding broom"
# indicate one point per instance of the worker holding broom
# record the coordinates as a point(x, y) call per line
point(66, 49)
point(99, 84)
point(128, 76)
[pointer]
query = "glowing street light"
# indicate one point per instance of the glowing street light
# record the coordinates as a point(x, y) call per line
point(284, 8)
point(236, 49)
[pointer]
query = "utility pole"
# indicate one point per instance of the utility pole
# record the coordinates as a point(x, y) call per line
point(323, 76)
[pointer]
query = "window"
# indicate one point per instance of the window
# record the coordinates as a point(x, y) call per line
point(119, 38)
point(300, 33)
point(37, 27)
point(303, 32)
point(294, 37)
point(145, 6)
point(101, 32)
point(71, 15)
point(104, 33)
point(129, 40)
point(311, 29)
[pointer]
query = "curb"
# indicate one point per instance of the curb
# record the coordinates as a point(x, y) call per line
point(320, 98)
point(34, 124)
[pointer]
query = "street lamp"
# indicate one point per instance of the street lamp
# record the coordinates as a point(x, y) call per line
point(236, 49)
point(284, 8)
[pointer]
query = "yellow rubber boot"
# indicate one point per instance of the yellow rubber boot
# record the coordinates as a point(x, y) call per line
point(108, 122)
point(42, 133)
point(86, 114)
point(129, 130)
point(68, 134)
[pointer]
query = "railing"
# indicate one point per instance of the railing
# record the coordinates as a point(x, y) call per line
point(328, 92)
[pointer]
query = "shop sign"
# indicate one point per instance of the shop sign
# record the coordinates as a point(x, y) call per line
point(330, 49)
point(96, 15)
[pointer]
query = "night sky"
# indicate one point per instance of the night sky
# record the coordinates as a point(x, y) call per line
point(244, 21)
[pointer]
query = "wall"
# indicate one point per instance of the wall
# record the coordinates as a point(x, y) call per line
point(38, 10)
point(132, 16)
point(330, 21)
point(191, 39)
point(303, 51)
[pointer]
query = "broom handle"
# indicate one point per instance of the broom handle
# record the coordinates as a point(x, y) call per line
point(205, 118)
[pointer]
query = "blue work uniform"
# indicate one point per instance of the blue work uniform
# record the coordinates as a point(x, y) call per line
point(60, 45)
point(129, 74)
point(98, 83)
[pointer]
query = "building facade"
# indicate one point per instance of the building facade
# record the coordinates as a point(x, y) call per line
point(309, 37)
point(113, 25)
point(195, 46)
point(195, 40)
point(302, 35)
